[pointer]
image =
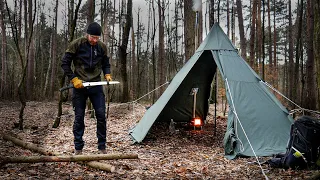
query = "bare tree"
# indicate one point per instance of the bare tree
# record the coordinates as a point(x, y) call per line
point(275, 61)
point(218, 11)
point(23, 61)
point(291, 64)
point(47, 83)
point(161, 54)
point(211, 14)
point(259, 35)
point(123, 52)
point(31, 50)
point(253, 32)
point(310, 66)
point(3, 80)
point(263, 40)
point(72, 13)
point(270, 44)
point(139, 65)
point(317, 45)
point(189, 30)
point(233, 21)
point(228, 19)
point(243, 41)
point(54, 51)
point(296, 90)
point(91, 11)
point(134, 63)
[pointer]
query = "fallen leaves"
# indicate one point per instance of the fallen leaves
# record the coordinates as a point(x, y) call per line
point(182, 155)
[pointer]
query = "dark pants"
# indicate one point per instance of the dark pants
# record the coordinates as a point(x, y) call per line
point(97, 98)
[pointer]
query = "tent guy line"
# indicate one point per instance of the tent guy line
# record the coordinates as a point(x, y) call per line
point(293, 110)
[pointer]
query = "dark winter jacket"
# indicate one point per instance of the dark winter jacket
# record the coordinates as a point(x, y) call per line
point(88, 60)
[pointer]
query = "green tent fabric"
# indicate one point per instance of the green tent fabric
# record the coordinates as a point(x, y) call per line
point(258, 124)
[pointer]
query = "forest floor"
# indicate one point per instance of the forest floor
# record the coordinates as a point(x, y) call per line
point(162, 155)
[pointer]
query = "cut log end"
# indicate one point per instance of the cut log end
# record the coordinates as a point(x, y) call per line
point(112, 169)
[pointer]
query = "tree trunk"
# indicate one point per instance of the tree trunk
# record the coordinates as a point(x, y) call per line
point(228, 19)
point(161, 75)
point(21, 85)
point(275, 61)
point(147, 67)
point(26, 31)
point(285, 73)
point(317, 47)
point(310, 65)
point(19, 23)
point(270, 46)
point(259, 35)
point(243, 41)
point(54, 52)
point(30, 53)
point(296, 92)
point(252, 33)
point(200, 27)
point(302, 76)
point(139, 64)
point(3, 82)
point(189, 31)
point(47, 83)
point(104, 21)
point(91, 11)
point(134, 70)
point(263, 40)
point(233, 21)
point(211, 14)
point(218, 11)
point(123, 53)
point(291, 87)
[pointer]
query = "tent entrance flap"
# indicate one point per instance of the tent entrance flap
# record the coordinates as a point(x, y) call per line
point(181, 103)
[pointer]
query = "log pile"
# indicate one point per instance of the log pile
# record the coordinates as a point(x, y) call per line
point(51, 156)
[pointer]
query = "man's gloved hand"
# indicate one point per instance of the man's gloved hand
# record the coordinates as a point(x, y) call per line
point(77, 83)
point(108, 77)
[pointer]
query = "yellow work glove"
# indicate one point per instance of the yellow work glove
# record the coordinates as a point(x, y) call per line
point(77, 83)
point(108, 77)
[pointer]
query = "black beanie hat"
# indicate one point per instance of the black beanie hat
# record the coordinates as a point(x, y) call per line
point(94, 29)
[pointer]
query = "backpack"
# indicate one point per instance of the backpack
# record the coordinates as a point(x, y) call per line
point(303, 146)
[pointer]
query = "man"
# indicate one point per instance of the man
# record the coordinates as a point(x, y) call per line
point(89, 57)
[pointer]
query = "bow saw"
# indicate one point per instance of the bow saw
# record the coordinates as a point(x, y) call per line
point(89, 84)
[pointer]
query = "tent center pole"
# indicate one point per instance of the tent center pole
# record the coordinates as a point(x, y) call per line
point(195, 90)
point(215, 103)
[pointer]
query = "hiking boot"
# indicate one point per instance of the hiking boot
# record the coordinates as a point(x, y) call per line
point(77, 152)
point(102, 151)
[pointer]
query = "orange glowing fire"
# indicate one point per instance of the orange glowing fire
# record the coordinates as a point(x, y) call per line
point(197, 122)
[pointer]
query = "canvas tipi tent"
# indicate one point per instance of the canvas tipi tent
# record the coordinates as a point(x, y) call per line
point(257, 122)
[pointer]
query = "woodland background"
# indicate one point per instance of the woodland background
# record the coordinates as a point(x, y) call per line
point(149, 44)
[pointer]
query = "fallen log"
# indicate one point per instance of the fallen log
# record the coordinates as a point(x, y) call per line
point(93, 164)
point(72, 158)
point(30, 146)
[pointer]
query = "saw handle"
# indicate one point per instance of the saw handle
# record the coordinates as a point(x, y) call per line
point(66, 87)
